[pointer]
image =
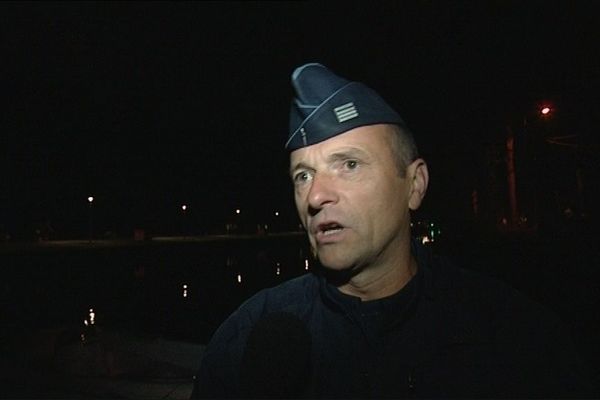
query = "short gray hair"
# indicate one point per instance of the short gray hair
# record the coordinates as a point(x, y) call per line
point(404, 147)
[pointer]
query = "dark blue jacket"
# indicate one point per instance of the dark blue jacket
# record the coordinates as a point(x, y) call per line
point(447, 333)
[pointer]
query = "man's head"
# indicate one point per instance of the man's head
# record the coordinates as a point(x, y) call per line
point(356, 174)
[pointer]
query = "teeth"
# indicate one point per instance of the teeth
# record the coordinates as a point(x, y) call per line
point(331, 231)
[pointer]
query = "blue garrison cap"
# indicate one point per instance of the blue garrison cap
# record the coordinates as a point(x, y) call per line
point(327, 105)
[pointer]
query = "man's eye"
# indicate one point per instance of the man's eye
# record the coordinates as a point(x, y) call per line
point(302, 177)
point(351, 164)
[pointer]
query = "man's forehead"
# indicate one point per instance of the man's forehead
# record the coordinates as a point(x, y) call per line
point(365, 139)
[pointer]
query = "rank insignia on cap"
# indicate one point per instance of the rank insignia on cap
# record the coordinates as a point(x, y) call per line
point(327, 105)
point(345, 112)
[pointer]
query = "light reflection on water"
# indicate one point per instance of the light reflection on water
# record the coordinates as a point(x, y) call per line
point(178, 291)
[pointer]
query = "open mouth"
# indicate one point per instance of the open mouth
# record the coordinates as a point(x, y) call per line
point(330, 229)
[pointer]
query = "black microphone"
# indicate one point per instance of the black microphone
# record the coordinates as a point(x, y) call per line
point(276, 359)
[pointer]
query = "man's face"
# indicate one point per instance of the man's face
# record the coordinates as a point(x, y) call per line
point(351, 198)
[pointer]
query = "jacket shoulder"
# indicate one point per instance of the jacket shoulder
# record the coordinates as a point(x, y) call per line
point(223, 354)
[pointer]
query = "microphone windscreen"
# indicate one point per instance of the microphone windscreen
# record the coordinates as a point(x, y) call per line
point(276, 359)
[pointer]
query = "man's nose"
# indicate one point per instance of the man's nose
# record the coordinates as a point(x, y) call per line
point(322, 192)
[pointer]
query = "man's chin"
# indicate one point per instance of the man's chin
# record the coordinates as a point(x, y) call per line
point(332, 261)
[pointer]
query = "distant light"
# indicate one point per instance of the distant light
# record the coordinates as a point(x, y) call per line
point(230, 261)
point(277, 213)
point(185, 292)
point(546, 110)
point(92, 316)
point(278, 271)
point(425, 240)
point(90, 199)
point(237, 211)
point(239, 278)
point(306, 264)
point(184, 207)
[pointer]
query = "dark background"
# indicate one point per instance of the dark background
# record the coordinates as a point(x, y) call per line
point(151, 105)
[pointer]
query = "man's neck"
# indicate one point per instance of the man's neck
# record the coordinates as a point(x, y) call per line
point(373, 283)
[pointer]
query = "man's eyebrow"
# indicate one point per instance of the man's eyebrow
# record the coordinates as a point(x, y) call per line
point(298, 165)
point(343, 154)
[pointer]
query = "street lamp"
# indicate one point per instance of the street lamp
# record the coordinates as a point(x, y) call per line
point(545, 111)
point(540, 115)
point(90, 200)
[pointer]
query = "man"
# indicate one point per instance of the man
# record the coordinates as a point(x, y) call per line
point(382, 317)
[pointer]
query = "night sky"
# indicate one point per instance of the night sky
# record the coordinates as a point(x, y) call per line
point(147, 106)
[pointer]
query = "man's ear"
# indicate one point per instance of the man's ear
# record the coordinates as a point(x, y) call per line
point(418, 179)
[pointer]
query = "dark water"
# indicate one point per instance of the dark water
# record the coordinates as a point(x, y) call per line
point(181, 291)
